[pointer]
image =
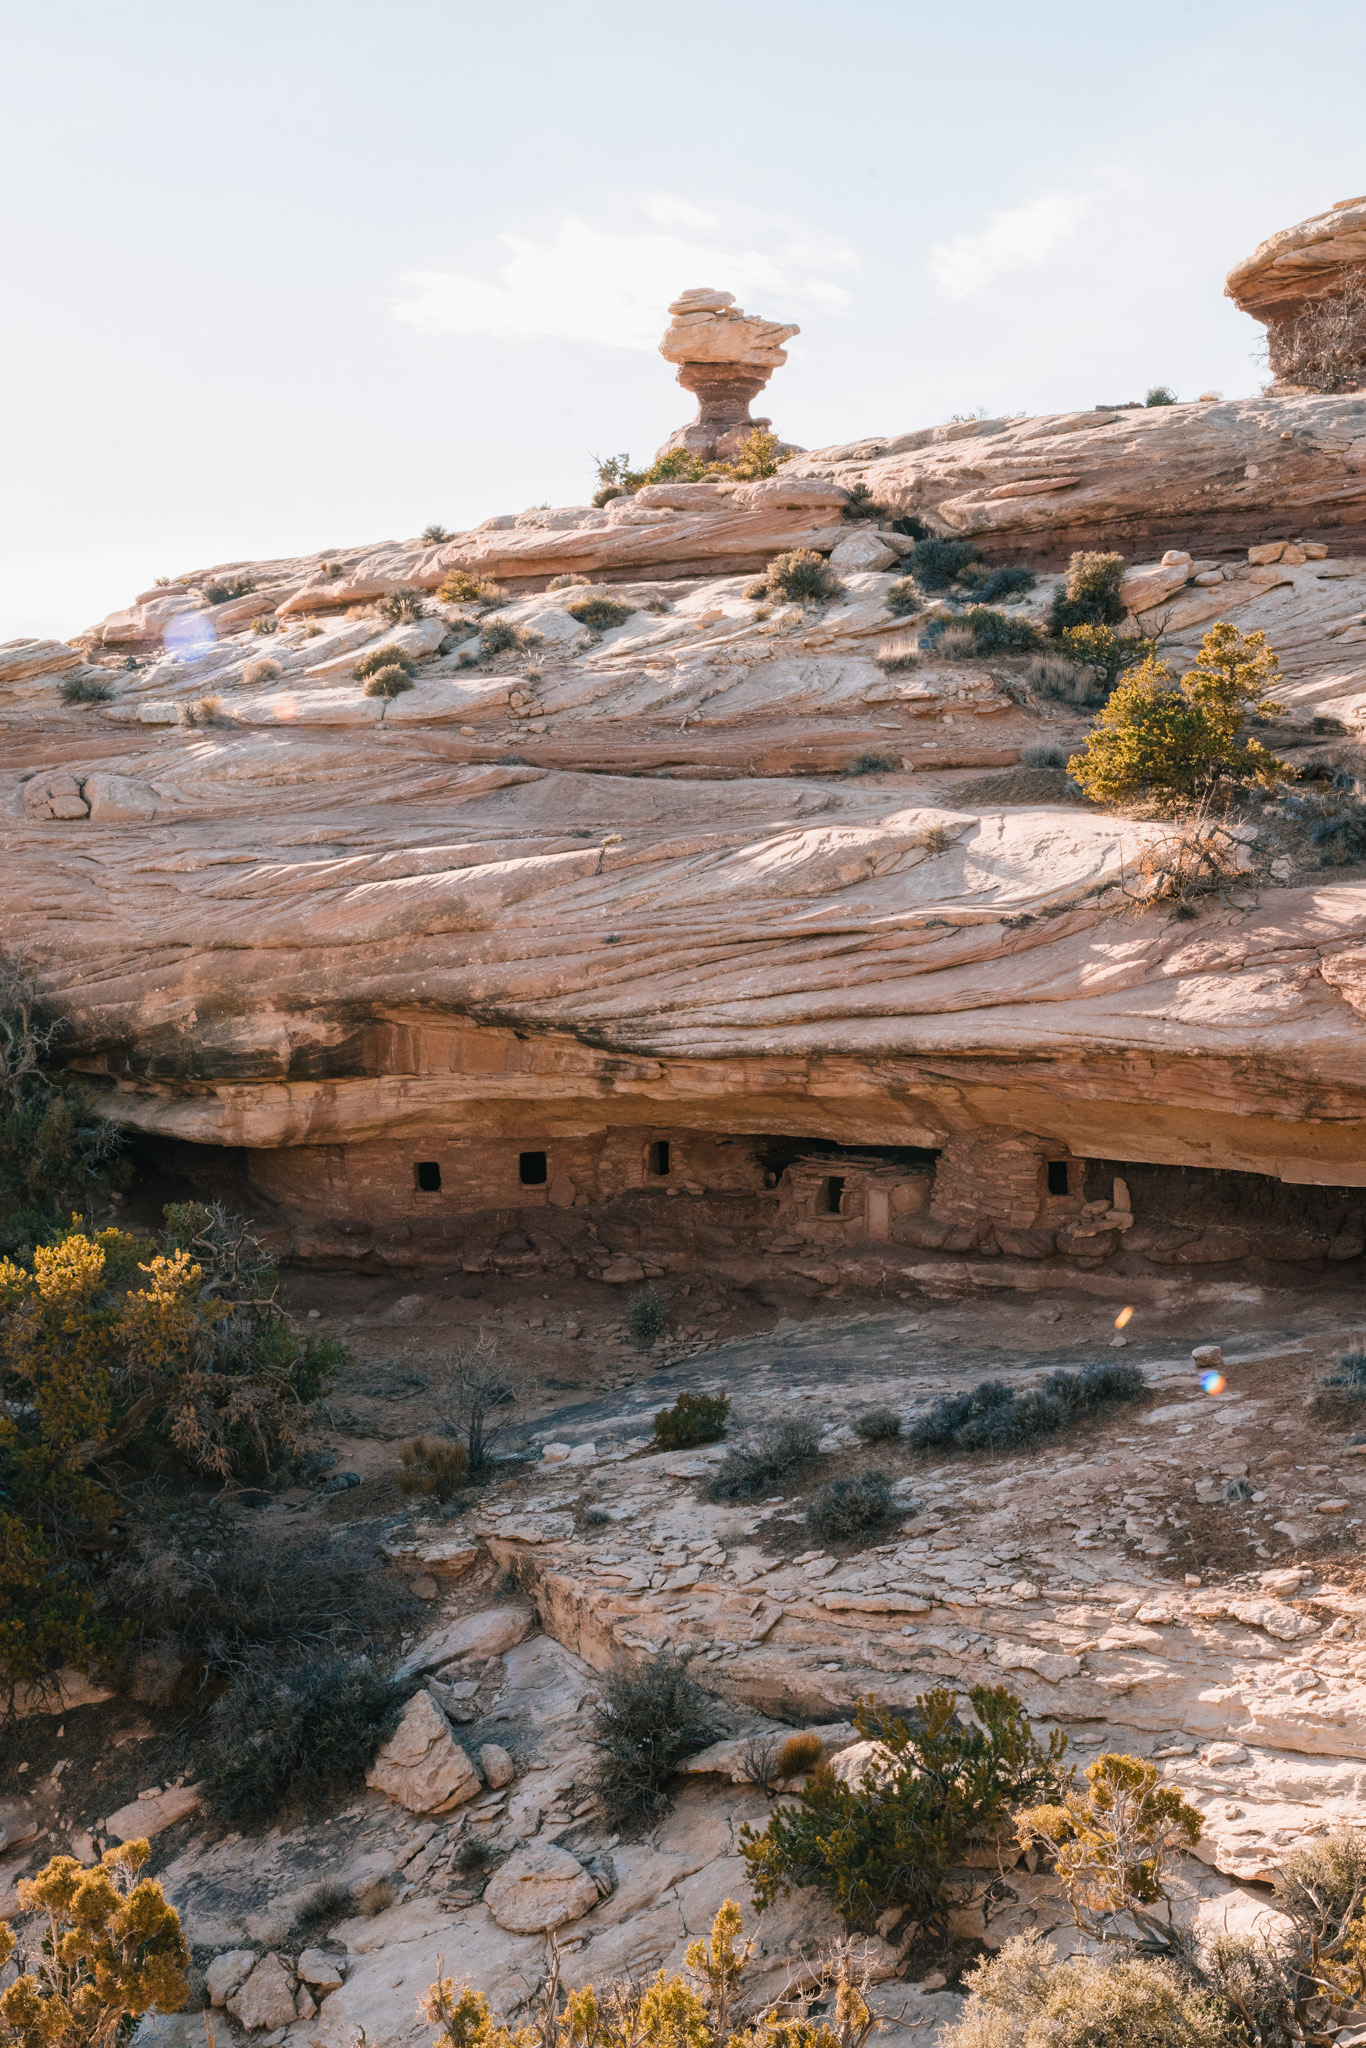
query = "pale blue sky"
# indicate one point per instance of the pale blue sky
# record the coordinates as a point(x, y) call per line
point(292, 276)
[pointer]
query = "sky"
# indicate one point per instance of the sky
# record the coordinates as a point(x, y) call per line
point(292, 276)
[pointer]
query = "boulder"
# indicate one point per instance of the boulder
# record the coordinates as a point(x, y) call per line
point(487, 1634)
point(265, 1999)
point(151, 1812)
point(422, 1766)
point(540, 1887)
point(227, 1972)
point(497, 1766)
point(319, 1969)
point(862, 552)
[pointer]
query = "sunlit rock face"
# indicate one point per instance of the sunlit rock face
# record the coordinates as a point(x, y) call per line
point(725, 357)
point(1296, 270)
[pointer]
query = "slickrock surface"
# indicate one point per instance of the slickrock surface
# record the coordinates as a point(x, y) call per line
point(642, 850)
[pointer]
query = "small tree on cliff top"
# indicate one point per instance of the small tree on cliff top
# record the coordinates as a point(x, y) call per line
point(1180, 740)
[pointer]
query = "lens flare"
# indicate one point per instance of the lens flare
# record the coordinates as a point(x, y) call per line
point(1212, 1382)
point(1124, 1317)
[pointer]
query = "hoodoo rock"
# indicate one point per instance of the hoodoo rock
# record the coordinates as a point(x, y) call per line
point(1298, 269)
point(725, 357)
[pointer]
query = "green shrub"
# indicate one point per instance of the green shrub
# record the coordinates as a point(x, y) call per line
point(801, 577)
point(993, 1416)
point(1090, 597)
point(390, 681)
point(992, 632)
point(230, 587)
point(1160, 394)
point(851, 1507)
point(877, 1425)
point(1026, 1996)
point(1005, 583)
point(757, 455)
point(778, 1452)
point(876, 761)
point(56, 1152)
point(436, 1469)
point(265, 622)
point(285, 1736)
point(433, 535)
point(649, 1720)
point(383, 657)
point(647, 1315)
point(935, 563)
point(401, 605)
point(600, 612)
point(500, 636)
point(693, 1419)
point(463, 587)
point(1104, 651)
point(904, 597)
point(85, 690)
point(893, 1841)
point(1154, 736)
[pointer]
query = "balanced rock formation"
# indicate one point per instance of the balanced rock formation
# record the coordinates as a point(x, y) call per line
point(1297, 270)
point(725, 357)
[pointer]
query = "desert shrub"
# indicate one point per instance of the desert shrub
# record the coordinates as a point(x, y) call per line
point(899, 657)
point(1179, 741)
point(84, 690)
point(108, 1949)
point(328, 1902)
point(462, 586)
point(294, 1735)
point(477, 1402)
point(693, 1419)
point(800, 576)
point(389, 681)
point(1026, 1996)
point(383, 657)
point(569, 583)
point(893, 1841)
point(1104, 651)
point(1339, 837)
point(438, 1470)
point(953, 642)
point(999, 583)
point(401, 606)
point(56, 1152)
point(1090, 596)
point(877, 1425)
point(1043, 754)
point(1111, 1845)
point(992, 632)
point(851, 1507)
point(935, 563)
point(875, 761)
point(266, 670)
point(993, 1415)
point(433, 535)
point(1325, 349)
point(757, 455)
point(1053, 675)
point(1341, 1393)
point(1200, 858)
point(647, 1315)
point(747, 1470)
point(649, 1720)
point(265, 622)
point(205, 711)
point(230, 587)
point(600, 612)
point(904, 597)
point(1160, 394)
point(501, 636)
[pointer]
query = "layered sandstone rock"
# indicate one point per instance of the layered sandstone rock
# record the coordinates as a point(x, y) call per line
point(726, 358)
point(1296, 269)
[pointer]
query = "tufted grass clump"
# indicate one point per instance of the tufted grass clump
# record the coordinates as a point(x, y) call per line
point(1052, 675)
point(265, 622)
point(569, 582)
point(383, 657)
point(265, 670)
point(462, 586)
point(852, 1507)
point(693, 1419)
point(433, 1468)
point(800, 576)
point(205, 711)
point(1043, 754)
point(390, 681)
point(877, 1425)
point(601, 613)
point(401, 606)
point(899, 657)
point(501, 636)
point(904, 597)
point(1026, 1994)
point(993, 1416)
point(876, 761)
point(85, 690)
point(751, 1468)
point(1343, 1393)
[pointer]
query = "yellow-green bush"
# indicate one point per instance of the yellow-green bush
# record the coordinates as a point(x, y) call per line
point(1170, 740)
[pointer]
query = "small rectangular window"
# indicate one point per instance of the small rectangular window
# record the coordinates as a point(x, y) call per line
point(834, 1194)
point(427, 1174)
point(1057, 1176)
point(659, 1158)
point(531, 1169)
